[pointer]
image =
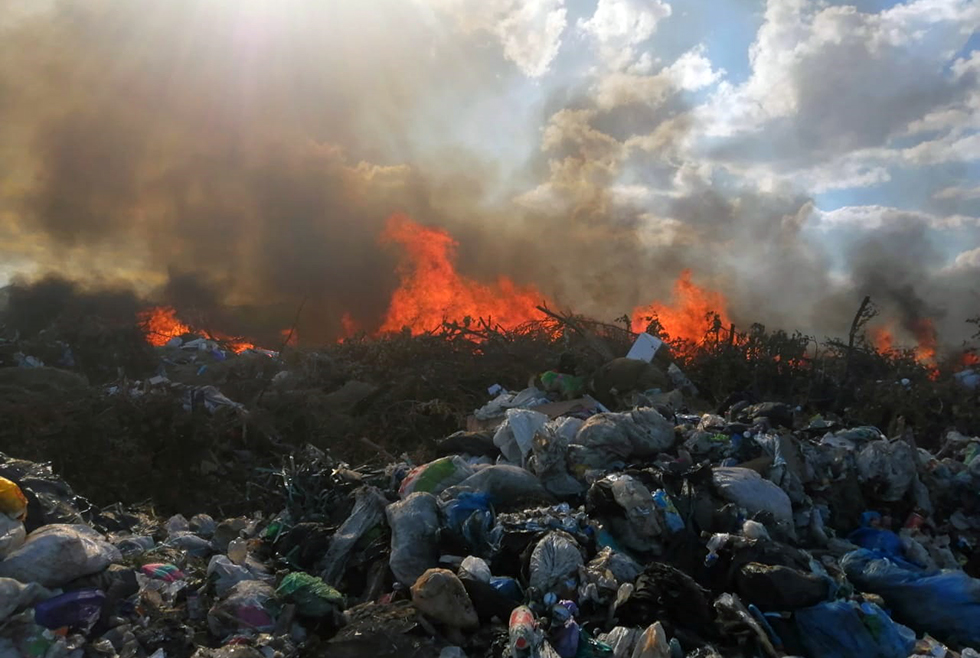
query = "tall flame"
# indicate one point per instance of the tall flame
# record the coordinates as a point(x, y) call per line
point(432, 291)
point(686, 318)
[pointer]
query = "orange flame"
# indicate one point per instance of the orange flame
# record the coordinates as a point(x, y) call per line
point(971, 359)
point(925, 338)
point(882, 339)
point(432, 291)
point(160, 324)
point(348, 326)
point(687, 318)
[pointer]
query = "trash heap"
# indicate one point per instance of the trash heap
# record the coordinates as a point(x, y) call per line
point(576, 517)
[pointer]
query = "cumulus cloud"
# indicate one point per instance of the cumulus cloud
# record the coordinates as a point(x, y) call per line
point(529, 31)
point(618, 26)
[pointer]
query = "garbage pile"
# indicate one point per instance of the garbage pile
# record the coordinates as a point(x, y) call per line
point(551, 526)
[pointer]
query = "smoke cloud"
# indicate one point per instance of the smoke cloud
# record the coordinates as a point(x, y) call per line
point(241, 158)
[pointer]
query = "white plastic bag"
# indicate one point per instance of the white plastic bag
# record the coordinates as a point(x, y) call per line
point(554, 560)
point(57, 554)
point(746, 488)
point(515, 435)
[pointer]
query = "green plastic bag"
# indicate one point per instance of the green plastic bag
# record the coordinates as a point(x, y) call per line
point(311, 596)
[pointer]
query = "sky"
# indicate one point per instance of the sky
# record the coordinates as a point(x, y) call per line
point(795, 153)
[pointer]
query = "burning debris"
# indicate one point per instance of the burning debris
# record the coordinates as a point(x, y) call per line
point(521, 487)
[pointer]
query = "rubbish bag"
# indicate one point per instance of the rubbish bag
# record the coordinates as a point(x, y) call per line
point(945, 604)
point(630, 510)
point(468, 522)
point(55, 555)
point(890, 466)
point(611, 437)
point(514, 436)
point(311, 596)
point(436, 476)
point(15, 595)
point(555, 562)
point(226, 574)
point(414, 526)
point(474, 568)
point(779, 588)
point(622, 640)
point(550, 463)
point(506, 486)
point(844, 629)
point(748, 489)
point(652, 643)
point(78, 611)
point(250, 605)
point(12, 535)
point(439, 594)
point(368, 512)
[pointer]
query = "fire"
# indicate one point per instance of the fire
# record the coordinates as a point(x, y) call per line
point(971, 359)
point(160, 324)
point(431, 291)
point(882, 339)
point(686, 318)
point(925, 340)
point(348, 326)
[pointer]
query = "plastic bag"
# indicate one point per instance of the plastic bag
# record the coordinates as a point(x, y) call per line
point(551, 466)
point(622, 640)
point(474, 568)
point(368, 513)
point(436, 476)
point(55, 555)
point(746, 488)
point(514, 436)
point(12, 535)
point(890, 465)
point(504, 486)
point(554, 562)
point(652, 643)
point(469, 520)
point(414, 526)
point(844, 629)
point(312, 596)
point(945, 604)
point(15, 595)
point(78, 611)
point(250, 605)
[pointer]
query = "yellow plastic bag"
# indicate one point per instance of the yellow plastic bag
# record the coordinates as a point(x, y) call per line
point(13, 503)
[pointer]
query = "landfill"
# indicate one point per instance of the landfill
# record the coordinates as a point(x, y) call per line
point(591, 505)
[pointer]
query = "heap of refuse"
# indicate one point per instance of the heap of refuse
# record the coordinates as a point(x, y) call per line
point(549, 526)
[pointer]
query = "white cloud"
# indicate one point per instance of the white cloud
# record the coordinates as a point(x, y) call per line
point(693, 71)
point(877, 216)
point(690, 72)
point(967, 260)
point(618, 26)
point(954, 192)
point(529, 31)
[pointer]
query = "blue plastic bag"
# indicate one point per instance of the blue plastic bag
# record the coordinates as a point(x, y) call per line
point(844, 629)
point(945, 604)
point(470, 517)
point(508, 587)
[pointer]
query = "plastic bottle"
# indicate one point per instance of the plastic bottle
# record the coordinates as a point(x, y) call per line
point(238, 551)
